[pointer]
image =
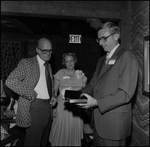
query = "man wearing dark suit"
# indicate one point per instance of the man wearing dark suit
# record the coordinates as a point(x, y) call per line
point(35, 103)
point(110, 90)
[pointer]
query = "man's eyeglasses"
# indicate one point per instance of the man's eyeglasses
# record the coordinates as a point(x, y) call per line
point(45, 51)
point(103, 39)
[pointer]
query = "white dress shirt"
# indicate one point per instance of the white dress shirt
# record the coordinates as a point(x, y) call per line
point(41, 87)
point(109, 55)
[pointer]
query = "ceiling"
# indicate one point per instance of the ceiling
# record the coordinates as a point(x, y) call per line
point(35, 25)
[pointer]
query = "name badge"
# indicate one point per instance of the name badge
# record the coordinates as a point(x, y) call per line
point(66, 77)
point(112, 61)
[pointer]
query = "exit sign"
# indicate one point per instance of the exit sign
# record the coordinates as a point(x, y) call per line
point(74, 38)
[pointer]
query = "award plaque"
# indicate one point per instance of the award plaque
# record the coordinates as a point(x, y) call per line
point(74, 96)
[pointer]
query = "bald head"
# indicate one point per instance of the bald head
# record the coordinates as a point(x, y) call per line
point(44, 49)
point(43, 42)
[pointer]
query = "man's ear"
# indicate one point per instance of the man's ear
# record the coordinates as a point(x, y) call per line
point(37, 50)
point(116, 36)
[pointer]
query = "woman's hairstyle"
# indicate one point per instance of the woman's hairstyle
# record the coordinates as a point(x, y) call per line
point(113, 28)
point(69, 54)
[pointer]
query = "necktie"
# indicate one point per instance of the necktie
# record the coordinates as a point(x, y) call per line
point(107, 60)
point(48, 79)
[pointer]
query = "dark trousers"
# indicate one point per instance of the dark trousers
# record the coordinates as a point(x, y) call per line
point(98, 141)
point(38, 133)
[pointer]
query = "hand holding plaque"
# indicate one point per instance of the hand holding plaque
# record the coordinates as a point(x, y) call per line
point(72, 96)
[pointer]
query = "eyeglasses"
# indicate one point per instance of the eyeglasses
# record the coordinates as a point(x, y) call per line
point(103, 39)
point(45, 51)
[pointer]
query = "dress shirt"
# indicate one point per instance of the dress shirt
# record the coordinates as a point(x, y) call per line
point(41, 87)
point(109, 55)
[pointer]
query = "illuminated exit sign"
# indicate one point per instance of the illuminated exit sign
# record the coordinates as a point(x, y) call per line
point(74, 38)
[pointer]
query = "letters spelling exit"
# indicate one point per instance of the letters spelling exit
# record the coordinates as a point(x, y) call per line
point(74, 38)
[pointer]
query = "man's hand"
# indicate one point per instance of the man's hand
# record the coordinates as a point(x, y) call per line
point(34, 96)
point(91, 102)
point(53, 101)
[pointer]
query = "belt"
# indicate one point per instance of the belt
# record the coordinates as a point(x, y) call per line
point(43, 100)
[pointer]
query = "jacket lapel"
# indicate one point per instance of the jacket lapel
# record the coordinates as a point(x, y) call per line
point(101, 64)
point(36, 70)
point(115, 57)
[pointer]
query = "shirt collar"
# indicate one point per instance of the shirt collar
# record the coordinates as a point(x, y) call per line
point(40, 61)
point(109, 55)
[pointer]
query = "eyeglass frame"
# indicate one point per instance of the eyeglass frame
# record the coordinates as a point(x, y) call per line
point(104, 38)
point(45, 51)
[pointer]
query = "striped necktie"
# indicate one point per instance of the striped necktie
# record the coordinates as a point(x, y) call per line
point(107, 60)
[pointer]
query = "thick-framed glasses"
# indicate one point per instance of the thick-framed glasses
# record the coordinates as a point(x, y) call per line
point(103, 39)
point(45, 51)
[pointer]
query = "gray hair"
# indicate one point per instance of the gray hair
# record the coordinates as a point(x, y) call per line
point(69, 54)
point(113, 28)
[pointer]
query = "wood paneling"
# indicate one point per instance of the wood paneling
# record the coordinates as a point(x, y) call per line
point(139, 29)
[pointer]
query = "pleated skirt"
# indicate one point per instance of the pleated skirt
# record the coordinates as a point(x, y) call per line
point(67, 126)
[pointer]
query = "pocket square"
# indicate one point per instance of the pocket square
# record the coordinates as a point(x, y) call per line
point(112, 61)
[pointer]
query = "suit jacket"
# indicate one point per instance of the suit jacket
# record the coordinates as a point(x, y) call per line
point(23, 80)
point(113, 86)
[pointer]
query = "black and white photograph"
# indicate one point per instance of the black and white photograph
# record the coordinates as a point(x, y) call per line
point(74, 73)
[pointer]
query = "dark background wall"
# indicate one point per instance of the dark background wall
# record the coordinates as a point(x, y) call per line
point(87, 53)
point(115, 11)
point(132, 17)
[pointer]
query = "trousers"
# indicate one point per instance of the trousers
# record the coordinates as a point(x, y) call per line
point(41, 115)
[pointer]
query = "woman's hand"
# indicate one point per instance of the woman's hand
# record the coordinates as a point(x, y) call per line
point(63, 91)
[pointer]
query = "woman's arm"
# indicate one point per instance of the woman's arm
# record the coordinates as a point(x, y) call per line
point(56, 87)
point(84, 81)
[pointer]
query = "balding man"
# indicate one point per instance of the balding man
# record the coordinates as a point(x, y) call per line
point(36, 99)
